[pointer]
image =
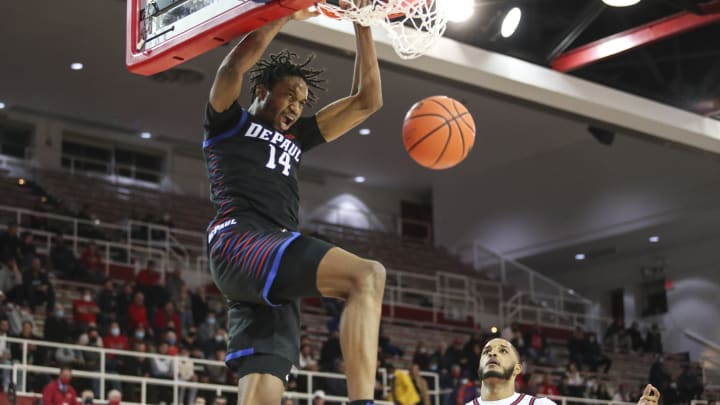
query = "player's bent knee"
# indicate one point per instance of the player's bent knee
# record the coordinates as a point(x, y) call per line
point(372, 279)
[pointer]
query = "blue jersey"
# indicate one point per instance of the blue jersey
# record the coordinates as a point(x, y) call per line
point(253, 168)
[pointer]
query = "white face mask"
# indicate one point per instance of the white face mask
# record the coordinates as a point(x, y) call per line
point(115, 331)
point(87, 297)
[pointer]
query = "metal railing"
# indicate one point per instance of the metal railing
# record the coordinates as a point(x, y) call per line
point(20, 371)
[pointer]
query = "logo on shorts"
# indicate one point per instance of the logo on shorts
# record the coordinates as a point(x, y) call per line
point(218, 228)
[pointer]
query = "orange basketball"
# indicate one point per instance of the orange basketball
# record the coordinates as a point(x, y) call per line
point(438, 132)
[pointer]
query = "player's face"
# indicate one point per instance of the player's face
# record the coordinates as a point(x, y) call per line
point(284, 104)
point(498, 360)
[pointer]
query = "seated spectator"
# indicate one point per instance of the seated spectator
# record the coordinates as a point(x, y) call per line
point(122, 304)
point(107, 300)
point(38, 288)
point(548, 388)
point(114, 397)
point(206, 328)
point(85, 310)
point(28, 250)
point(653, 340)
point(137, 313)
point(439, 360)
point(307, 358)
point(161, 367)
point(135, 366)
point(93, 263)
point(63, 260)
point(148, 277)
point(200, 307)
point(621, 394)
point(218, 342)
point(421, 357)
point(518, 340)
point(601, 392)
point(575, 381)
point(689, 385)
point(168, 314)
point(115, 340)
point(56, 327)
point(36, 355)
point(636, 340)
point(67, 356)
point(17, 316)
point(593, 355)
point(388, 348)
point(59, 391)
point(536, 345)
point(11, 282)
point(9, 243)
point(575, 345)
point(330, 352)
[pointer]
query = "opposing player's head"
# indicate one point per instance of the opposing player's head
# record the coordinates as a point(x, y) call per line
point(499, 362)
point(281, 88)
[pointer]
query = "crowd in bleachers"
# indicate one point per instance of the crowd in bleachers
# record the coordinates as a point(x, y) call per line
point(158, 314)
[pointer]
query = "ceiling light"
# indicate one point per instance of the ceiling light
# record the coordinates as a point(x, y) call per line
point(460, 10)
point(76, 66)
point(359, 179)
point(580, 256)
point(494, 329)
point(2, 105)
point(511, 22)
point(364, 131)
point(145, 135)
point(21, 182)
point(621, 3)
point(654, 239)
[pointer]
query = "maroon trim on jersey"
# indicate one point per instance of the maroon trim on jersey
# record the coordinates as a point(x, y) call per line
point(517, 401)
point(532, 400)
point(475, 402)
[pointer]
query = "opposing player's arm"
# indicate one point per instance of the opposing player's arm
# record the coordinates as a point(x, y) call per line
point(228, 80)
point(337, 118)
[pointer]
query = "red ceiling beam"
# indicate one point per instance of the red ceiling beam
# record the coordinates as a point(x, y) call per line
point(636, 37)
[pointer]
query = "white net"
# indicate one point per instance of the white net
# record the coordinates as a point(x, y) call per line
point(413, 25)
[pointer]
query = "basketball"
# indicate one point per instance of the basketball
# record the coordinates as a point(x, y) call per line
point(438, 132)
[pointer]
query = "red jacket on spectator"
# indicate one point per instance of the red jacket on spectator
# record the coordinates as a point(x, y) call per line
point(92, 260)
point(161, 320)
point(147, 278)
point(85, 312)
point(137, 316)
point(549, 389)
point(119, 342)
point(56, 393)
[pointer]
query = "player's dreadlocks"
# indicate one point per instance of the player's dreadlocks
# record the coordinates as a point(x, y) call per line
point(267, 72)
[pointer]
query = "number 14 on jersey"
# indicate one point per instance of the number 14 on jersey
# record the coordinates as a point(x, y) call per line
point(283, 159)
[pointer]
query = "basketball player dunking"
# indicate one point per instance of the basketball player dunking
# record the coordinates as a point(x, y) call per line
point(258, 260)
point(500, 364)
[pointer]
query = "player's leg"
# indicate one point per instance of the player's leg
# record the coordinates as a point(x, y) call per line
point(361, 284)
point(260, 389)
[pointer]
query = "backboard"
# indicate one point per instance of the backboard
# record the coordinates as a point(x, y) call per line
point(164, 33)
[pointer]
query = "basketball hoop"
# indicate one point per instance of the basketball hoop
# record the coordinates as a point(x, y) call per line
point(413, 25)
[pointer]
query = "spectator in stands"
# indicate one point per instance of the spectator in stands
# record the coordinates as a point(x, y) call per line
point(536, 345)
point(454, 353)
point(622, 341)
point(330, 352)
point(36, 355)
point(63, 260)
point(114, 397)
point(137, 313)
point(93, 263)
point(186, 372)
point(421, 357)
point(218, 342)
point(402, 390)
point(318, 397)
point(5, 354)
point(85, 310)
point(116, 340)
point(636, 340)
point(387, 348)
point(621, 394)
point(653, 340)
point(518, 340)
point(11, 282)
point(59, 391)
point(135, 366)
point(173, 283)
point(56, 327)
point(163, 317)
point(38, 288)
point(307, 358)
point(689, 385)
point(439, 359)
point(464, 392)
point(476, 338)
point(601, 392)
point(124, 299)
point(148, 277)
point(337, 386)
point(9, 243)
point(190, 339)
point(107, 300)
point(28, 251)
point(91, 338)
point(200, 307)
point(67, 356)
point(218, 374)
point(594, 356)
point(659, 375)
point(420, 385)
point(575, 345)
point(17, 316)
point(184, 307)
point(548, 387)
point(575, 381)
point(206, 328)
point(171, 340)
point(161, 367)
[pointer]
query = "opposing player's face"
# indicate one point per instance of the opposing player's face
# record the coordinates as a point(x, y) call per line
point(498, 360)
point(284, 104)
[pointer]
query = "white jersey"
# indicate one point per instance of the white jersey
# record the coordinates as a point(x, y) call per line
point(514, 399)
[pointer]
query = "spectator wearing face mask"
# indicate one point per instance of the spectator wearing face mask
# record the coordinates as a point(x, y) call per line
point(137, 312)
point(59, 391)
point(171, 340)
point(85, 310)
point(218, 342)
point(56, 328)
point(116, 340)
point(205, 329)
point(114, 397)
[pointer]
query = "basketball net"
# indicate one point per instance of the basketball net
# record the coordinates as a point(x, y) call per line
point(413, 25)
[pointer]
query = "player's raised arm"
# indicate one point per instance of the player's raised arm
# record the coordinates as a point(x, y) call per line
point(365, 98)
point(228, 80)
